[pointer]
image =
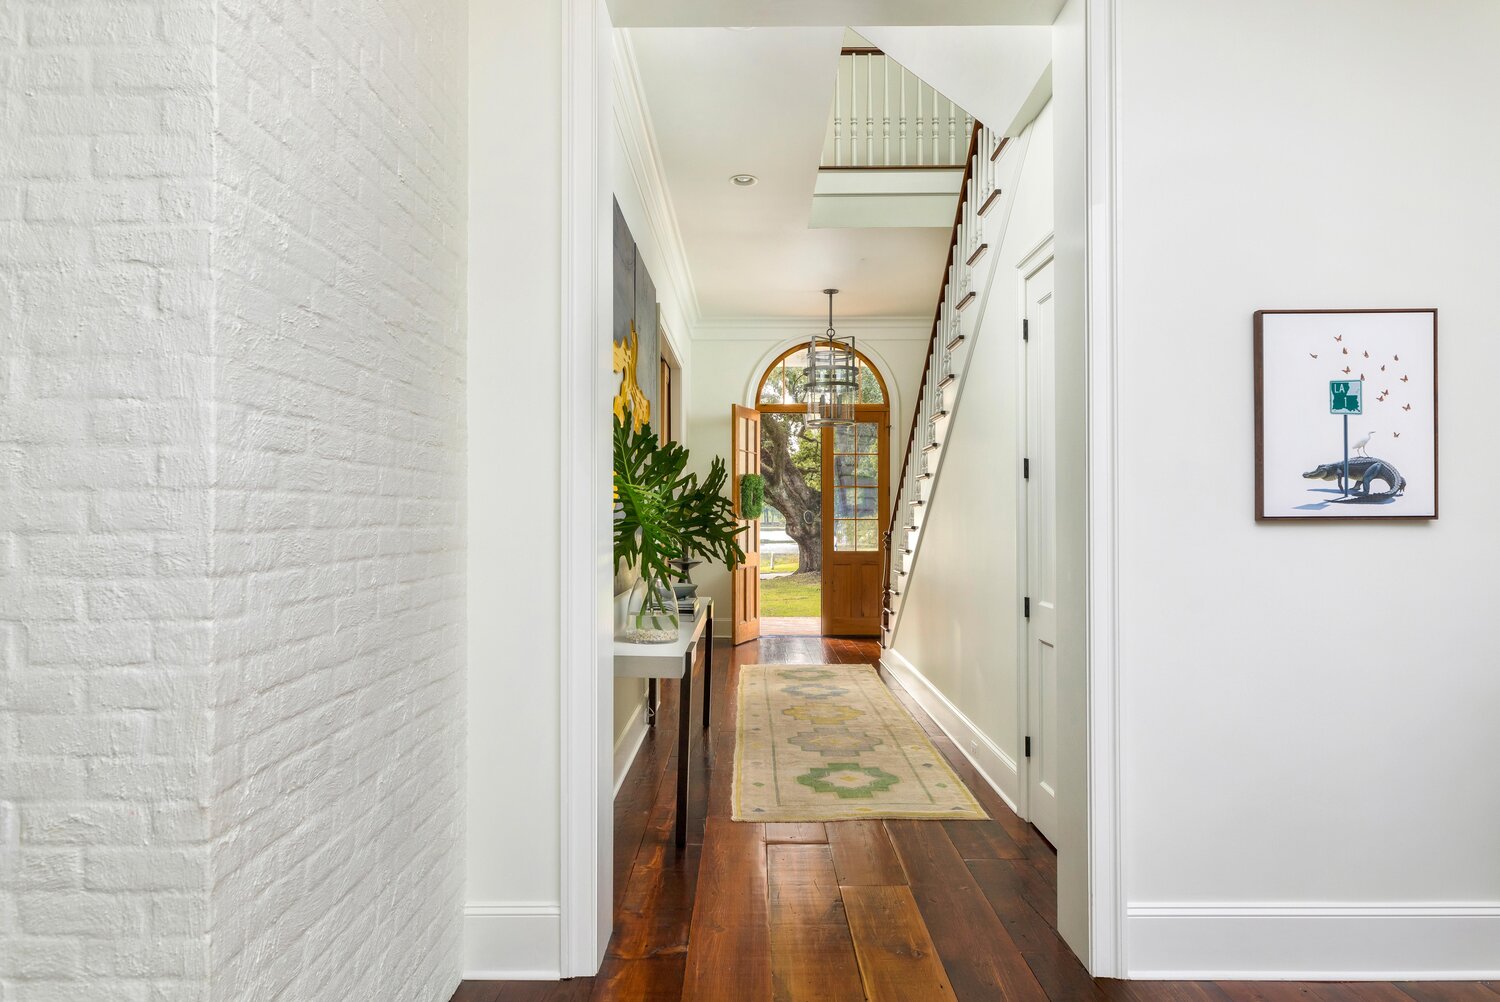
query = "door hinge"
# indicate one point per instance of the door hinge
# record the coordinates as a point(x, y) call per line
point(1028, 746)
point(1026, 469)
point(1025, 329)
point(1026, 606)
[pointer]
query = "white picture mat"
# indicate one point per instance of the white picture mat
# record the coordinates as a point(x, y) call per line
point(1299, 433)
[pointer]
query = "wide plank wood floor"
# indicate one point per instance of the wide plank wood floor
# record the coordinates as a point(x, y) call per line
point(849, 910)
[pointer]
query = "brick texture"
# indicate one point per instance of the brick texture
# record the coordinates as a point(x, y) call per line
point(232, 462)
point(340, 267)
point(106, 362)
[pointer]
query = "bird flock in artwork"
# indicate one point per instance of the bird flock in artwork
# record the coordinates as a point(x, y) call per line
point(1380, 397)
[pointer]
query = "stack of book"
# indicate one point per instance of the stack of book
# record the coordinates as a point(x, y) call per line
point(687, 605)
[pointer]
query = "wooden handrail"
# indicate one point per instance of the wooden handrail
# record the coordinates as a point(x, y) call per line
point(905, 167)
point(932, 346)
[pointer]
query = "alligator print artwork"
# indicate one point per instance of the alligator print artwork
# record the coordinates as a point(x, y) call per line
point(1363, 472)
point(1345, 414)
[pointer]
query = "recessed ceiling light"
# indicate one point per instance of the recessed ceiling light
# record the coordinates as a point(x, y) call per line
point(743, 180)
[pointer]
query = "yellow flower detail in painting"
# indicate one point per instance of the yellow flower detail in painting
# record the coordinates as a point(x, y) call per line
point(631, 396)
point(823, 715)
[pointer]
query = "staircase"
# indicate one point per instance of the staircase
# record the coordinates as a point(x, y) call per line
point(992, 167)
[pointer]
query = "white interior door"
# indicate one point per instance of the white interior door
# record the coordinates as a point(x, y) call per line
point(1041, 555)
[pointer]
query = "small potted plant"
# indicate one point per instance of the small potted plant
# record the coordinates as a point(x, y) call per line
point(663, 513)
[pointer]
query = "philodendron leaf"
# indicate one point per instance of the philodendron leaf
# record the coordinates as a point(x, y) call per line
point(664, 512)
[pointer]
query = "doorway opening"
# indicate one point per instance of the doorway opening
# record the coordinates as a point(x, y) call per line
point(822, 534)
point(1086, 908)
point(791, 539)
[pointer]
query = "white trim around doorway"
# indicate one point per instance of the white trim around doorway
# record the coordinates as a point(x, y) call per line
point(586, 827)
point(587, 770)
point(1107, 903)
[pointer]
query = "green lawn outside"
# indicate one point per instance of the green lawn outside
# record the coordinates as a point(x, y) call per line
point(793, 595)
point(780, 563)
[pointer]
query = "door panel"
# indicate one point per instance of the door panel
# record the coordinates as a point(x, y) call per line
point(744, 450)
point(856, 504)
point(1041, 554)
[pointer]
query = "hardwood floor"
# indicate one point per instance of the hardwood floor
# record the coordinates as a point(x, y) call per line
point(907, 911)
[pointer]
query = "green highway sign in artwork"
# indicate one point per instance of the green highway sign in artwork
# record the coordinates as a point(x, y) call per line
point(1346, 396)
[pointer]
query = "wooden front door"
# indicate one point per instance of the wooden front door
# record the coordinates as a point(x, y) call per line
point(745, 452)
point(856, 505)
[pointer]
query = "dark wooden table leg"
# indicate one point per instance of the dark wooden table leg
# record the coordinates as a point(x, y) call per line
point(684, 742)
point(650, 702)
point(708, 664)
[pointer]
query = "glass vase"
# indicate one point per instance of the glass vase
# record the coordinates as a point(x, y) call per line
point(652, 617)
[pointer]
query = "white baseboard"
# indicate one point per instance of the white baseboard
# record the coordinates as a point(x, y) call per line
point(512, 941)
point(629, 744)
point(997, 768)
point(1313, 942)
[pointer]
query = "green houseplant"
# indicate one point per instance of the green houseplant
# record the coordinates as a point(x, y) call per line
point(662, 512)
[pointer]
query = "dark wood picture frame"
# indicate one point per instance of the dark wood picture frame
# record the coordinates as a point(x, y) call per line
point(1259, 350)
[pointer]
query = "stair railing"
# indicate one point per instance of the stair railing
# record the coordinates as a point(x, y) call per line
point(871, 93)
point(937, 368)
point(944, 364)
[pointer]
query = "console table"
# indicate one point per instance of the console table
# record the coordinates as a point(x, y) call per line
point(675, 660)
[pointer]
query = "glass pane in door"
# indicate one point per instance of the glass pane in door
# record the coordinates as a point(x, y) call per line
point(856, 499)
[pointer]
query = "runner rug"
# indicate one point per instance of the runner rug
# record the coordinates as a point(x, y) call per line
point(831, 743)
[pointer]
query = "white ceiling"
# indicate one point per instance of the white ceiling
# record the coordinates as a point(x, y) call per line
point(695, 13)
point(725, 102)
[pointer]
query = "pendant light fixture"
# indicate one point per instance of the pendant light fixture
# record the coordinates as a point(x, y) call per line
point(832, 376)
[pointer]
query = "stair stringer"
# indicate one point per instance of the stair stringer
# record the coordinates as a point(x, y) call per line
point(1011, 162)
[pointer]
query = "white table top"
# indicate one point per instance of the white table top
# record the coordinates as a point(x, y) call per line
point(662, 660)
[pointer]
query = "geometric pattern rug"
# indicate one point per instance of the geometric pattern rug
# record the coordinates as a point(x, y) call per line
point(831, 743)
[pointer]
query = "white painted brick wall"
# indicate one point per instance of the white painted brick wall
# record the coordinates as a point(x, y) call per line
point(105, 436)
point(340, 267)
point(232, 462)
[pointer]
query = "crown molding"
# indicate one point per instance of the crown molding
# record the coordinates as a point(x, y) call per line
point(637, 137)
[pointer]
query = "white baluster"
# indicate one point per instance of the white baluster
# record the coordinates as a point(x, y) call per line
point(935, 128)
point(973, 227)
point(838, 115)
point(903, 117)
point(885, 110)
point(982, 189)
point(853, 111)
point(920, 119)
point(952, 132)
point(869, 110)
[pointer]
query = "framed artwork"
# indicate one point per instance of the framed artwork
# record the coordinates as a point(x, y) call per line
point(1346, 418)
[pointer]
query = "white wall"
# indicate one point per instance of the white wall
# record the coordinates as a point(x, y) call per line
point(515, 254)
point(1307, 766)
point(106, 360)
point(1083, 890)
point(960, 623)
point(340, 214)
point(640, 189)
point(728, 361)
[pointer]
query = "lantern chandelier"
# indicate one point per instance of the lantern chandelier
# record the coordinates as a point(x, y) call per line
point(832, 384)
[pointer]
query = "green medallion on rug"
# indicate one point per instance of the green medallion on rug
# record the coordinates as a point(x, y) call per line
point(831, 743)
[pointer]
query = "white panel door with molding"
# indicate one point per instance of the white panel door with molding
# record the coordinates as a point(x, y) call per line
point(1041, 740)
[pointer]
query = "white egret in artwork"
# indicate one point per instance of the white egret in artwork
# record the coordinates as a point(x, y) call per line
point(1359, 446)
